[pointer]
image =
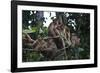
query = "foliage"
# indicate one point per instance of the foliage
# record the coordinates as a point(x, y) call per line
point(78, 23)
point(31, 56)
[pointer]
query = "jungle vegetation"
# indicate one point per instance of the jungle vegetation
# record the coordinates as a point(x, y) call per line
point(35, 25)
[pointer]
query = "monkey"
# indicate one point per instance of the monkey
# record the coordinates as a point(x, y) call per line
point(39, 44)
point(27, 41)
point(51, 28)
point(53, 33)
point(46, 47)
point(64, 33)
point(59, 30)
point(51, 49)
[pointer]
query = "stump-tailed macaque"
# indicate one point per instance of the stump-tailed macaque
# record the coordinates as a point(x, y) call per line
point(45, 46)
point(52, 28)
point(39, 44)
point(62, 32)
point(27, 40)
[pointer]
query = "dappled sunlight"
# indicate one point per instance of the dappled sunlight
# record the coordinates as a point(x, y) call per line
point(48, 16)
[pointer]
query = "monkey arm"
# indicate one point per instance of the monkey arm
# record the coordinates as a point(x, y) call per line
point(29, 38)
